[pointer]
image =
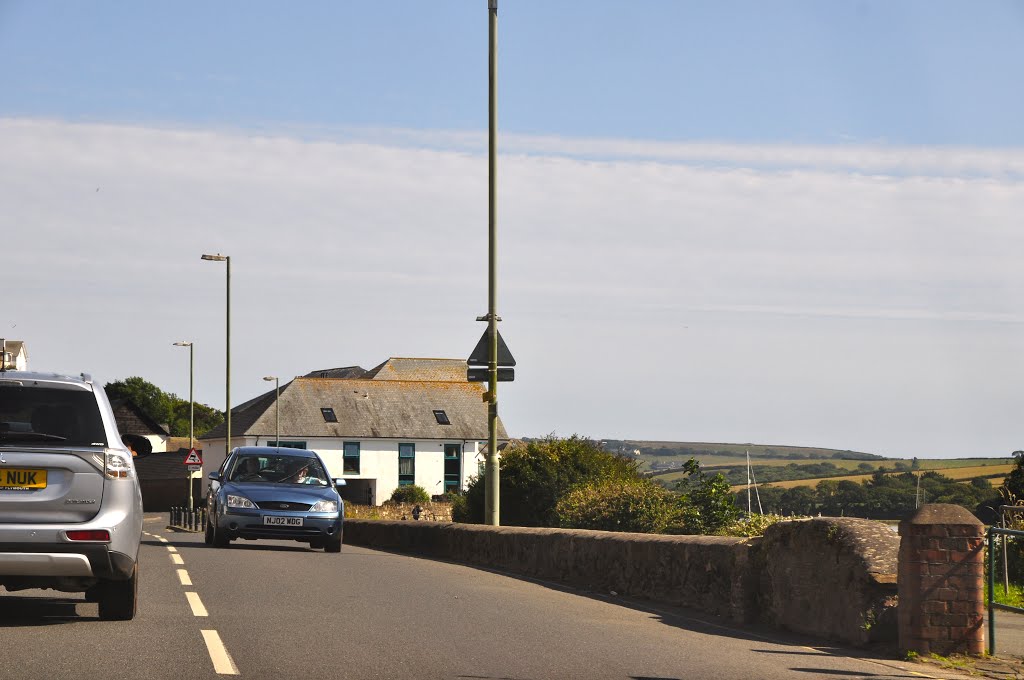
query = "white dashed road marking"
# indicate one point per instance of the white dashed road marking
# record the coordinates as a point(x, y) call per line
point(223, 664)
point(222, 661)
point(197, 605)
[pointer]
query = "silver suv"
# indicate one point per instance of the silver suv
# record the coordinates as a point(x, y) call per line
point(70, 504)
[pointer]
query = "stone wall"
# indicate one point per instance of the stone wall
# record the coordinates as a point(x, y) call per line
point(830, 577)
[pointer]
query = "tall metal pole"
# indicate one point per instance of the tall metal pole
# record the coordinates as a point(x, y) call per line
point(191, 419)
point(491, 500)
point(277, 404)
point(191, 409)
point(227, 339)
point(227, 358)
point(191, 400)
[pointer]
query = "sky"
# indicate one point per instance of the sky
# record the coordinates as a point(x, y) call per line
point(792, 223)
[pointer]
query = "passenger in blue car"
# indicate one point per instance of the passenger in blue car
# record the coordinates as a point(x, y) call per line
point(310, 476)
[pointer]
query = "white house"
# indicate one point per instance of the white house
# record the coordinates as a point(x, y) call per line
point(13, 355)
point(407, 421)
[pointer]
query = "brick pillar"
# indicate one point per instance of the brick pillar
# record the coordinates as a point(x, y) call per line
point(941, 582)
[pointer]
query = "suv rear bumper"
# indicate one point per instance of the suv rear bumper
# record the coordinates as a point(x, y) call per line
point(43, 551)
point(64, 559)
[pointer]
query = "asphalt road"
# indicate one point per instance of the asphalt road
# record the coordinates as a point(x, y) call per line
point(273, 609)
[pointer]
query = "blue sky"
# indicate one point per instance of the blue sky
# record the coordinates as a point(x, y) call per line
point(806, 72)
point(788, 222)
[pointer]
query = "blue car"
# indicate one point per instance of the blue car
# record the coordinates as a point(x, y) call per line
point(278, 493)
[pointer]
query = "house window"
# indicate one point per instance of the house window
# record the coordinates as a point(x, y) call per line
point(329, 416)
point(452, 467)
point(286, 444)
point(406, 464)
point(441, 417)
point(351, 458)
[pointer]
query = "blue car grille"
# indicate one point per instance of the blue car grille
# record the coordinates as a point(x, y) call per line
point(283, 505)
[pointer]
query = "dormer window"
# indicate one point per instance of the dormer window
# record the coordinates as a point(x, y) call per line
point(441, 417)
point(328, 414)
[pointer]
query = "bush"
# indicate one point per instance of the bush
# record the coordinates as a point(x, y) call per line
point(707, 503)
point(752, 525)
point(534, 477)
point(637, 505)
point(410, 494)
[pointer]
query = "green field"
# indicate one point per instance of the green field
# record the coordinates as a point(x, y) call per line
point(663, 460)
point(969, 469)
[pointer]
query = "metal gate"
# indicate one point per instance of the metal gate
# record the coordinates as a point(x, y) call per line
point(1005, 578)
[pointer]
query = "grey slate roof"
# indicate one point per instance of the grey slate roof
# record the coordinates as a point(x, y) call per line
point(346, 372)
point(378, 408)
point(400, 368)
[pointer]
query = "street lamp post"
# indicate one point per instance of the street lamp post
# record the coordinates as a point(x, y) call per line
point(191, 410)
point(227, 342)
point(277, 405)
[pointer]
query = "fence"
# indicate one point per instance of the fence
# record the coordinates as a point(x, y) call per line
point(995, 556)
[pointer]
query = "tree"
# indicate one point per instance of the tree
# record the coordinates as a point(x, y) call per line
point(163, 407)
point(799, 500)
point(706, 501)
point(206, 418)
point(1012, 489)
point(153, 401)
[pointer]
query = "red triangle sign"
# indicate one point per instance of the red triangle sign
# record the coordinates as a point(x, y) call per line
point(193, 458)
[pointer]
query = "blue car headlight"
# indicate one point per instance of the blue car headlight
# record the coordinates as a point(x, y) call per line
point(325, 506)
point(239, 502)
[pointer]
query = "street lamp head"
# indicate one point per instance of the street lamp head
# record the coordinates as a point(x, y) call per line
point(270, 377)
point(183, 343)
point(215, 258)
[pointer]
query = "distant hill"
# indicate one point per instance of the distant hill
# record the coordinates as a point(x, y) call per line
point(666, 454)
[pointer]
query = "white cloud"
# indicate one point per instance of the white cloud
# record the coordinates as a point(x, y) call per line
point(855, 297)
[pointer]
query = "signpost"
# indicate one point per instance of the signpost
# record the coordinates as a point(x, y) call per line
point(477, 365)
point(194, 463)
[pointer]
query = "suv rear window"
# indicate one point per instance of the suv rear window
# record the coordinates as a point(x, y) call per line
point(47, 415)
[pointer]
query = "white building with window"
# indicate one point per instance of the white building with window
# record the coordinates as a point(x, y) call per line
point(407, 421)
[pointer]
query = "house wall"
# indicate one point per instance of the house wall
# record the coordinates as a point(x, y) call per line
point(378, 462)
point(159, 442)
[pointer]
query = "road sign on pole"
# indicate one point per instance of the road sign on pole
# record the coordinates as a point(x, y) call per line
point(479, 357)
point(193, 458)
point(194, 468)
point(480, 374)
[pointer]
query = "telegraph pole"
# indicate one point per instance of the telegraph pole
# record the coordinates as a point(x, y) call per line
point(491, 493)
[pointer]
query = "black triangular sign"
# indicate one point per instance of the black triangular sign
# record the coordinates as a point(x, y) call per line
point(482, 351)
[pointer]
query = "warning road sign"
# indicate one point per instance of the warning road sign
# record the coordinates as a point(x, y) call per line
point(193, 458)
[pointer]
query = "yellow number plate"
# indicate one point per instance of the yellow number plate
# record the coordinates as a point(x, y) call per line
point(19, 478)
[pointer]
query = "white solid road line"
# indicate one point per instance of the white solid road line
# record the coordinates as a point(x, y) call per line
point(197, 605)
point(184, 577)
point(222, 661)
point(176, 558)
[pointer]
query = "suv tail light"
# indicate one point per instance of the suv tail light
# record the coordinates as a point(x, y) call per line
point(88, 535)
point(117, 466)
